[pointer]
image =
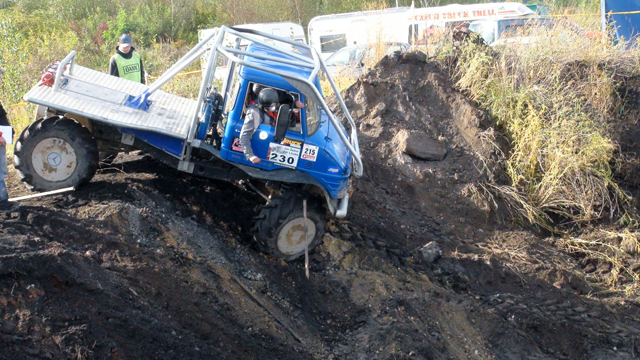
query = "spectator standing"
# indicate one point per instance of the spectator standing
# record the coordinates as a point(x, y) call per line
point(5, 204)
point(126, 62)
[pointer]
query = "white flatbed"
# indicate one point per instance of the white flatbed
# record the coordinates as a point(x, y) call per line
point(100, 97)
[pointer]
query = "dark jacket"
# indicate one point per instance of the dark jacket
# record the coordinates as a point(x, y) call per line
point(3, 118)
point(113, 67)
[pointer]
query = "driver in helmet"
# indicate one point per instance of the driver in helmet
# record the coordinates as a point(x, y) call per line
point(263, 112)
point(283, 96)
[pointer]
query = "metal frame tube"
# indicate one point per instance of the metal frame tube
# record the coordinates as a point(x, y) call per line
point(267, 57)
point(60, 70)
point(206, 80)
point(273, 37)
point(272, 47)
point(227, 83)
point(187, 55)
point(173, 71)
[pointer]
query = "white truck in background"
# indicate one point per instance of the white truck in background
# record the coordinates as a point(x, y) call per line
point(329, 33)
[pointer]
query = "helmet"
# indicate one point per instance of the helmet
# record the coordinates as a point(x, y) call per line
point(268, 98)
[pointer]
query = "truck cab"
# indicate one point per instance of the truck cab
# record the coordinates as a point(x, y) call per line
point(309, 144)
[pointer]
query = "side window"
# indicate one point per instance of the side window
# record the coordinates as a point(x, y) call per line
point(313, 117)
point(284, 97)
point(331, 43)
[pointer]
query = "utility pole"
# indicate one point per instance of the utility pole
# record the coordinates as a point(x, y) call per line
point(172, 29)
point(603, 19)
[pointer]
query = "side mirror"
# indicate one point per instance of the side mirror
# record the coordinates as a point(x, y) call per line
point(282, 123)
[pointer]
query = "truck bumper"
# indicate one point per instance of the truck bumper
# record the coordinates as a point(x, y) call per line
point(343, 205)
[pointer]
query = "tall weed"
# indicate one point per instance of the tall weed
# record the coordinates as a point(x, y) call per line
point(553, 98)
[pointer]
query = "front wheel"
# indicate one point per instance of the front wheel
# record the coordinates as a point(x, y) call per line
point(55, 153)
point(280, 231)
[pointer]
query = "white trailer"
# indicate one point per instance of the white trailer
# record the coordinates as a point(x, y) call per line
point(329, 33)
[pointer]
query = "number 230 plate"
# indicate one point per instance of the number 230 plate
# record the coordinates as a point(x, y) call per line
point(284, 155)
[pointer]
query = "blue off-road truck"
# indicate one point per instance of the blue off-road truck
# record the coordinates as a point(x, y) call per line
point(307, 156)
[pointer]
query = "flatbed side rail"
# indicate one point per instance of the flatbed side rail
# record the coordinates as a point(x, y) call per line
point(68, 60)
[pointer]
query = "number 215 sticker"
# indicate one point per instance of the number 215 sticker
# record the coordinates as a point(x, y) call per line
point(309, 152)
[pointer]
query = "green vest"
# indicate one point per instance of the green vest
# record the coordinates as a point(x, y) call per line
point(129, 68)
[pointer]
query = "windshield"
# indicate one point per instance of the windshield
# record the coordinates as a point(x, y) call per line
point(313, 116)
point(522, 27)
point(485, 29)
point(345, 56)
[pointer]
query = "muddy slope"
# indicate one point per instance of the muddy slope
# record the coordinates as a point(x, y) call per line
point(148, 263)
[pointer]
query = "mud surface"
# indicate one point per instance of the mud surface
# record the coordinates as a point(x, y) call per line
point(149, 263)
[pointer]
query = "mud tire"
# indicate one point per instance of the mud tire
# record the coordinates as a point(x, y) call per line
point(76, 167)
point(283, 212)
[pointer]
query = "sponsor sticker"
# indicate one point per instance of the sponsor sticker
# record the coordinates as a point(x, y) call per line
point(284, 155)
point(309, 152)
point(292, 142)
point(333, 170)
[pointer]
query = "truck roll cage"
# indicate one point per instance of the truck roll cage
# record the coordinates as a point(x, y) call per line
point(308, 58)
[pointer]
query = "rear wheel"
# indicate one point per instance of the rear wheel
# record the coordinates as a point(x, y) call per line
point(55, 153)
point(279, 229)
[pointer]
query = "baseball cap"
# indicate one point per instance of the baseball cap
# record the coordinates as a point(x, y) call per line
point(125, 40)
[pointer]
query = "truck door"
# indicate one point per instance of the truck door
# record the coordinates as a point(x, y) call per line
point(271, 155)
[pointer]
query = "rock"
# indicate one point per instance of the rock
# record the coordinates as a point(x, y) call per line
point(379, 109)
point(580, 309)
point(418, 144)
point(431, 252)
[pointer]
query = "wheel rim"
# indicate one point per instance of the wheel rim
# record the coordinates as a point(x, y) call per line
point(291, 239)
point(54, 159)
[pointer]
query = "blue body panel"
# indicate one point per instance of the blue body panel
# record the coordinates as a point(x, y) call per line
point(331, 165)
point(205, 120)
point(166, 143)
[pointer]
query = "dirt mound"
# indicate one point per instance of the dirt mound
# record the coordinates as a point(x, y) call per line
point(404, 93)
point(146, 262)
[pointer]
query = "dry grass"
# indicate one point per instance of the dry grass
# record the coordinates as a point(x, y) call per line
point(616, 250)
point(553, 98)
point(556, 101)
